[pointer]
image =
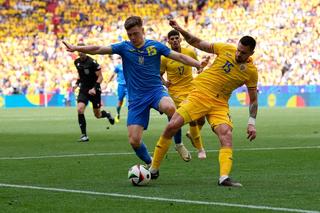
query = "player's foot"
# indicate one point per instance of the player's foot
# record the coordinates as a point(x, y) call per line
point(148, 165)
point(83, 138)
point(202, 154)
point(154, 173)
point(228, 182)
point(117, 118)
point(183, 152)
point(188, 134)
point(110, 118)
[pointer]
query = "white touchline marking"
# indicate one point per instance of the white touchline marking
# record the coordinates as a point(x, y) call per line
point(131, 153)
point(66, 156)
point(158, 198)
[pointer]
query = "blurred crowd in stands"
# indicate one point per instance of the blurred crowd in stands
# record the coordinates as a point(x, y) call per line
point(33, 59)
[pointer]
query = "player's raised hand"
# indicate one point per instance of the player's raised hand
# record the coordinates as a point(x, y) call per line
point(70, 47)
point(174, 24)
point(204, 61)
point(252, 132)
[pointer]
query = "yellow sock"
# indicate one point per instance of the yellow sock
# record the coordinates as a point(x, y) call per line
point(225, 161)
point(197, 140)
point(160, 150)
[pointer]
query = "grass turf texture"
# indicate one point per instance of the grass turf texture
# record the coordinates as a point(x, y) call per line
point(284, 178)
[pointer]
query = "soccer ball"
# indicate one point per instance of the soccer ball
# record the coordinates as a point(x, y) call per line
point(139, 175)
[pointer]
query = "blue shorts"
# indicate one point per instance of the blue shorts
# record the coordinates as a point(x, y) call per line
point(139, 111)
point(122, 92)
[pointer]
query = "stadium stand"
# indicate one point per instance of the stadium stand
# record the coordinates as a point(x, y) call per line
point(33, 60)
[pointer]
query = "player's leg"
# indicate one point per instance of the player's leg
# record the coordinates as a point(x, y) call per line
point(135, 139)
point(190, 110)
point(138, 120)
point(195, 137)
point(221, 124)
point(119, 105)
point(81, 106)
point(167, 106)
point(98, 113)
point(163, 144)
point(121, 95)
point(177, 137)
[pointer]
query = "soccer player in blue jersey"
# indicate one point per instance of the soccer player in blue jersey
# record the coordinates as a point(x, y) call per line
point(122, 87)
point(141, 67)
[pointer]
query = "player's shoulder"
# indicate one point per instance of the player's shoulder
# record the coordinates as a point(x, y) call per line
point(226, 46)
point(121, 44)
point(149, 42)
point(187, 51)
point(92, 60)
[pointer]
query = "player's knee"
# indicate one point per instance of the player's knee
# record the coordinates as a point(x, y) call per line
point(80, 110)
point(170, 110)
point(134, 145)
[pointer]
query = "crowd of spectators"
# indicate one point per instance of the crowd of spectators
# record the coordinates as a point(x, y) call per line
point(33, 59)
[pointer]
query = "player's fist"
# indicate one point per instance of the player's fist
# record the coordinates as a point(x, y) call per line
point(252, 132)
point(204, 61)
point(174, 24)
point(70, 48)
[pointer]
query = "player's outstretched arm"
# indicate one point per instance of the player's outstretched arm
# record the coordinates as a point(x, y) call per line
point(187, 60)
point(253, 109)
point(191, 39)
point(91, 49)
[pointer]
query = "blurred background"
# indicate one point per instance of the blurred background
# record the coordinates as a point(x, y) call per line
point(37, 71)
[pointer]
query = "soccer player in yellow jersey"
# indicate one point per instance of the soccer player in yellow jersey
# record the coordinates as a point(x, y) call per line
point(179, 77)
point(232, 68)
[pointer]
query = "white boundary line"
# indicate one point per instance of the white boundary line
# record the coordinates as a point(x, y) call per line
point(158, 198)
point(131, 153)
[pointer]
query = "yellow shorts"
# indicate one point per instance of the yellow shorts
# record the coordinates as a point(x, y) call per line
point(198, 105)
point(178, 97)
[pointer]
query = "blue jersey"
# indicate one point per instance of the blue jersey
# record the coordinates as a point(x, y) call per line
point(120, 77)
point(141, 66)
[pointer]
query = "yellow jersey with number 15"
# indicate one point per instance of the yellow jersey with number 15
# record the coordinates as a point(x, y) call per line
point(225, 74)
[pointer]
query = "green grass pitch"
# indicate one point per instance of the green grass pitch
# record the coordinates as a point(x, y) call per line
point(280, 170)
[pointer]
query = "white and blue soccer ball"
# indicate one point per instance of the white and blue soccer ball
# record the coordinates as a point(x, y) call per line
point(139, 175)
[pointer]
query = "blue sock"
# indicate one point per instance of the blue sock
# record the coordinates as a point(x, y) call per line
point(177, 137)
point(118, 109)
point(142, 153)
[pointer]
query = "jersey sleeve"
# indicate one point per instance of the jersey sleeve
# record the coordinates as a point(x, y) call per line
point(217, 47)
point(163, 49)
point(253, 80)
point(117, 48)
